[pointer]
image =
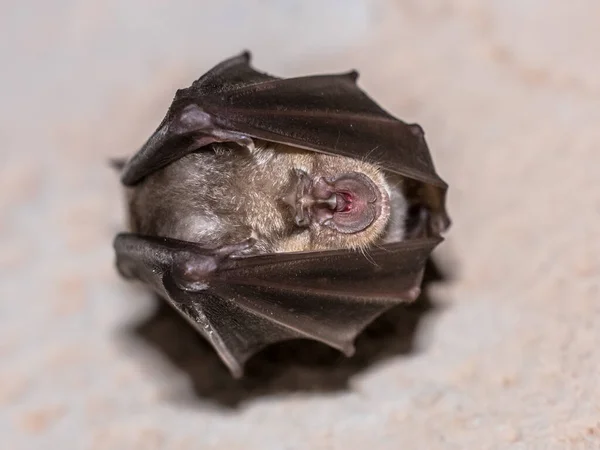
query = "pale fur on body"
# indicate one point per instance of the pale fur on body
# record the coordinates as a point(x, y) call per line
point(231, 193)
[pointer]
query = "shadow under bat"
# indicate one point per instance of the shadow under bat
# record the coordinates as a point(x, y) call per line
point(290, 366)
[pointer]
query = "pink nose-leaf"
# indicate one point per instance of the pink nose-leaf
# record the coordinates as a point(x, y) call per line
point(348, 204)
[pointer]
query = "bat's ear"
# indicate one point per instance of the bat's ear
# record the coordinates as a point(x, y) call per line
point(182, 132)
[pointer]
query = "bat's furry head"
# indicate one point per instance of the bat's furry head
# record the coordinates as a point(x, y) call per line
point(334, 202)
point(335, 167)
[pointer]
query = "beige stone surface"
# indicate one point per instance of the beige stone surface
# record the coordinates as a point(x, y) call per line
point(502, 353)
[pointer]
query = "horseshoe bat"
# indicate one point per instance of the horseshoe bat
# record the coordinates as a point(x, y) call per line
point(265, 209)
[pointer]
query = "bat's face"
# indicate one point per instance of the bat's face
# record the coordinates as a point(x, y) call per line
point(344, 203)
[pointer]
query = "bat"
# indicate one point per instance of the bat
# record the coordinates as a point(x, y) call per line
point(265, 209)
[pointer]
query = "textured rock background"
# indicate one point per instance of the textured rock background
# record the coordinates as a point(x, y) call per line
point(502, 353)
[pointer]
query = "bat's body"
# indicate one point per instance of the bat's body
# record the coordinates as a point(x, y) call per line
point(226, 195)
point(267, 209)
